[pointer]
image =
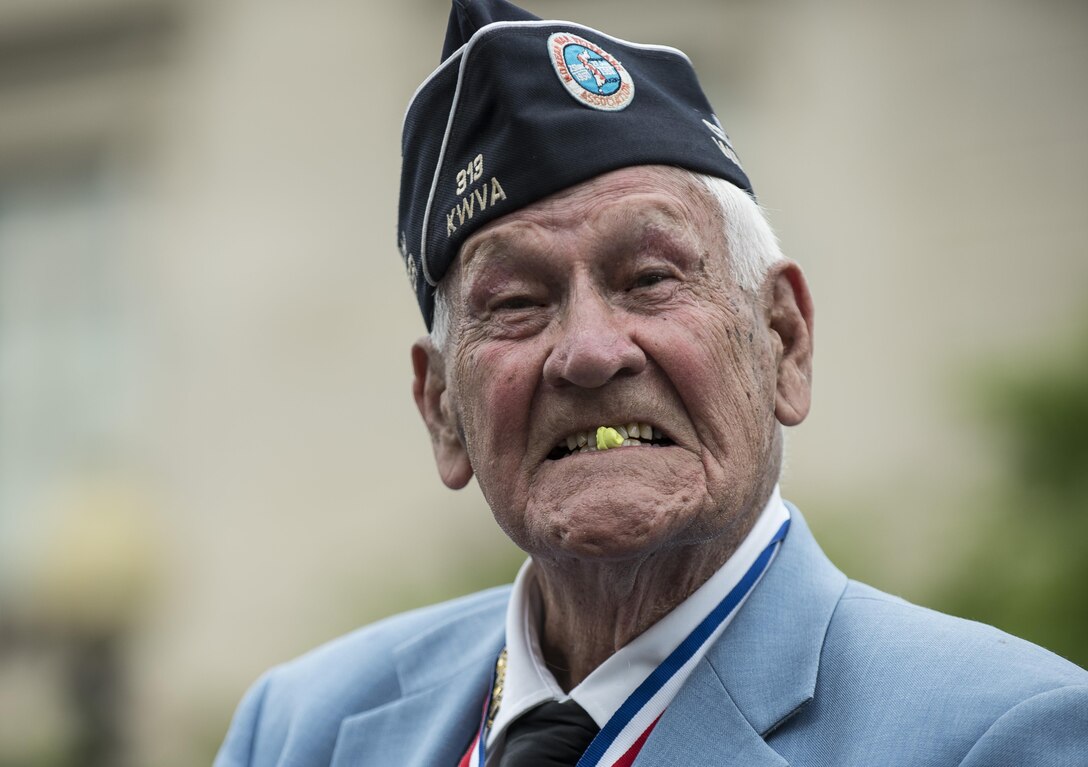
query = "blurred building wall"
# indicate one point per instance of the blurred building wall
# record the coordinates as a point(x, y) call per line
point(208, 449)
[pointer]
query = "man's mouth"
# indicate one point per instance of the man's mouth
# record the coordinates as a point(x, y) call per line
point(633, 435)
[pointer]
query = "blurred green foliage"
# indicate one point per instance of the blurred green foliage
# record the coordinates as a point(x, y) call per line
point(1027, 572)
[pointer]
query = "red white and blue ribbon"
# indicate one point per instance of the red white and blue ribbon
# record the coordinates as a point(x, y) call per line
point(622, 737)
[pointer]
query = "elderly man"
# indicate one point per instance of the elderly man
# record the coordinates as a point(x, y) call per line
point(616, 342)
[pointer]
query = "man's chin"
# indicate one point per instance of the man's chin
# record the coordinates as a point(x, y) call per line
point(612, 519)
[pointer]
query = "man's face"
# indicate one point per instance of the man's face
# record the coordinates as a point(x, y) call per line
point(609, 304)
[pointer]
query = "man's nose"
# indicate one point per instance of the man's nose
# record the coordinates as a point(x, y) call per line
point(595, 346)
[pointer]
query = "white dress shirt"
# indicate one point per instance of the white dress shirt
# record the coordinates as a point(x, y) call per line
point(529, 682)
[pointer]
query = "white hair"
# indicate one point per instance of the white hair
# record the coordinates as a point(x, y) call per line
point(440, 321)
point(753, 246)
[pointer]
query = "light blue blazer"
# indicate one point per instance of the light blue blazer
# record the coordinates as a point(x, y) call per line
point(814, 670)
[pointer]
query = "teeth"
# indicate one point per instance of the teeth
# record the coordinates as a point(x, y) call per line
point(634, 434)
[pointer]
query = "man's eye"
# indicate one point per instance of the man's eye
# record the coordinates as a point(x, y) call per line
point(514, 303)
point(649, 279)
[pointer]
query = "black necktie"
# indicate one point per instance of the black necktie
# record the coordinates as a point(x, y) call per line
point(550, 735)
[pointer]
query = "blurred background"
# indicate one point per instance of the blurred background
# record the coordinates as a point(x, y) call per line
point(209, 458)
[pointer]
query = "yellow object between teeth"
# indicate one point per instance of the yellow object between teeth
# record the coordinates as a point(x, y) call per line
point(608, 437)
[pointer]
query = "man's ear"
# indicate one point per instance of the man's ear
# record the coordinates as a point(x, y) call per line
point(790, 315)
point(433, 400)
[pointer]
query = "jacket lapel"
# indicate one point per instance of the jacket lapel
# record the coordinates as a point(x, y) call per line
point(444, 676)
point(702, 728)
point(761, 671)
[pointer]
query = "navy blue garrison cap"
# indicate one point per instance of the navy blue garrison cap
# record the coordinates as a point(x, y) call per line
point(521, 108)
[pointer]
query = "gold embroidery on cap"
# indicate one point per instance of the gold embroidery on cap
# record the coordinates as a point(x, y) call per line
point(474, 199)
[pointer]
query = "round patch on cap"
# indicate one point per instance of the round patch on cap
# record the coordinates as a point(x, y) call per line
point(591, 75)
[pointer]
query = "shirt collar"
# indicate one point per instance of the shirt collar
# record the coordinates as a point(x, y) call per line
point(528, 681)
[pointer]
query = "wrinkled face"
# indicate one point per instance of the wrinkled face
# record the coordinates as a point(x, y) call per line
point(612, 304)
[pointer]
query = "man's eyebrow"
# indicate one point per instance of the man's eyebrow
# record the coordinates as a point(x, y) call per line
point(494, 245)
point(662, 225)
